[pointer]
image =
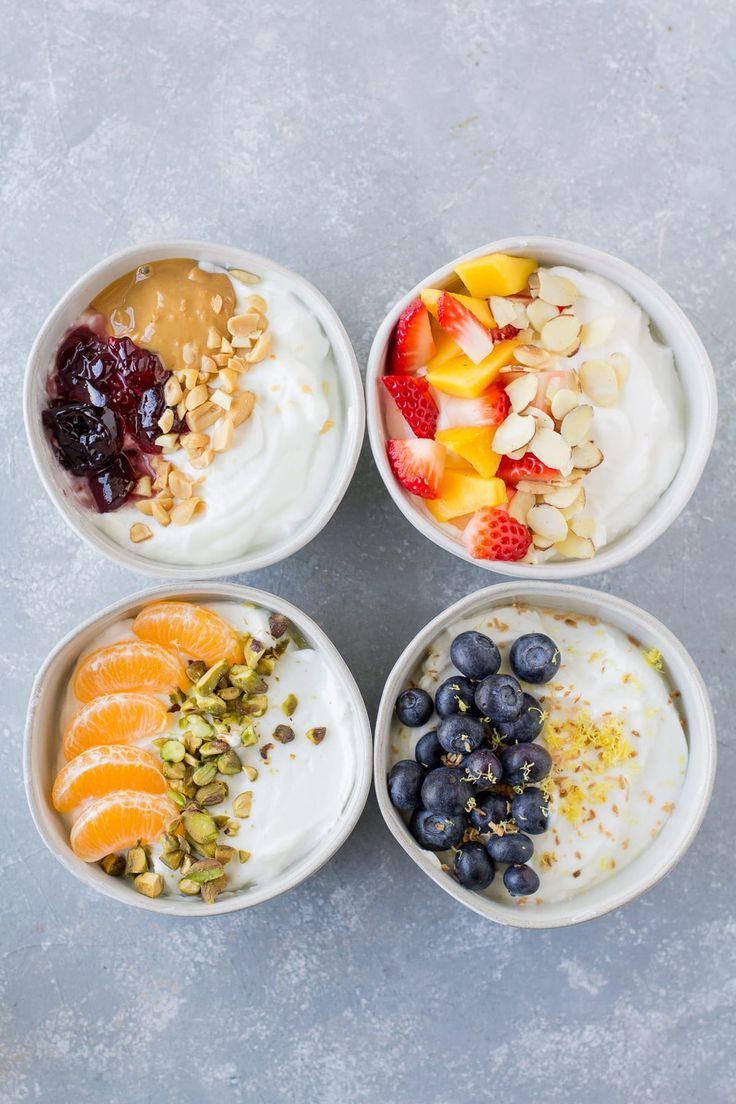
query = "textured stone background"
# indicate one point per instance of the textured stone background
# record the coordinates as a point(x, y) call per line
point(363, 144)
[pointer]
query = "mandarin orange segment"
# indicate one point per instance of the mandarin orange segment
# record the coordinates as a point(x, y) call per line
point(100, 770)
point(195, 631)
point(117, 821)
point(130, 665)
point(114, 719)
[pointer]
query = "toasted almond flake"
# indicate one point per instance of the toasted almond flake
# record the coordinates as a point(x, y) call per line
point(165, 499)
point(189, 352)
point(583, 526)
point(533, 283)
point(197, 396)
point(223, 400)
point(221, 359)
point(549, 447)
point(562, 496)
point(166, 420)
point(203, 417)
point(256, 303)
point(599, 381)
point(527, 336)
point(576, 506)
point(587, 456)
point(207, 364)
point(531, 356)
point(222, 438)
point(541, 417)
point(621, 367)
point(513, 433)
point(576, 424)
point(179, 485)
point(143, 486)
point(540, 314)
point(140, 532)
point(548, 522)
point(168, 441)
point(261, 349)
point(522, 391)
point(244, 277)
point(517, 453)
point(237, 364)
point(145, 506)
point(192, 442)
point(203, 459)
point(216, 303)
point(539, 486)
point(242, 325)
point(560, 333)
point(242, 407)
point(576, 548)
point(503, 311)
point(541, 543)
point(172, 391)
point(213, 338)
point(562, 402)
point(557, 290)
point(520, 505)
point(190, 378)
point(226, 347)
point(183, 512)
point(597, 330)
point(160, 513)
point(230, 380)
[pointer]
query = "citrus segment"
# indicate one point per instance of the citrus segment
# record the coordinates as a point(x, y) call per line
point(195, 631)
point(100, 770)
point(130, 665)
point(117, 821)
point(114, 719)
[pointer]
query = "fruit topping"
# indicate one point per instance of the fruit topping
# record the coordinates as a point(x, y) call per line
point(454, 695)
point(114, 719)
point(478, 307)
point(86, 438)
point(527, 467)
point(413, 344)
point(191, 629)
point(492, 534)
point(414, 707)
point(473, 443)
point(129, 665)
point(520, 881)
point(435, 831)
point(499, 697)
point(466, 378)
point(510, 848)
point(491, 810)
point(112, 486)
point(474, 867)
point(463, 327)
point(414, 402)
point(429, 751)
point(462, 492)
point(404, 783)
point(99, 770)
point(535, 658)
point(524, 763)
point(445, 790)
point(475, 654)
point(489, 409)
point(524, 728)
point(460, 734)
point(483, 768)
point(496, 274)
point(119, 820)
point(418, 465)
point(530, 810)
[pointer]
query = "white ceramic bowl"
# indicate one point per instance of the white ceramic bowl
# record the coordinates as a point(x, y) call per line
point(41, 749)
point(677, 833)
point(55, 479)
point(693, 366)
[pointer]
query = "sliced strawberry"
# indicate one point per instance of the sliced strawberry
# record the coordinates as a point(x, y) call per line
point(464, 328)
point(418, 465)
point(492, 534)
point(490, 408)
point(503, 334)
point(528, 467)
point(412, 397)
point(413, 344)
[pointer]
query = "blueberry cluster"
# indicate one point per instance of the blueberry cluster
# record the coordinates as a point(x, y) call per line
point(477, 768)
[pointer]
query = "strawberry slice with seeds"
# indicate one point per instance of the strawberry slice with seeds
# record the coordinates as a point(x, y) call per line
point(413, 344)
point(504, 333)
point(527, 467)
point(412, 397)
point(490, 408)
point(464, 328)
point(418, 465)
point(492, 534)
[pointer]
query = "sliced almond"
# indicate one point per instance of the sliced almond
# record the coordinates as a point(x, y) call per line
point(517, 453)
point(575, 507)
point(542, 543)
point(160, 513)
point(242, 407)
point(183, 512)
point(260, 350)
point(166, 420)
point(562, 497)
point(549, 447)
point(540, 314)
point(548, 522)
point(143, 487)
point(621, 367)
point(168, 441)
point(576, 425)
point(503, 311)
point(587, 456)
point(533, 283)
point(583, 526)
point(539, 486)
point(599, 381)
point(576, 548)
point(541, 417)
point(244, 277)
point(522, 391)
point(256, 303)
point(531, 356)
point(562, 402)
point(520, 505)
point(203, 417)
point(179, 485)
point(172, 391)
point(557, 290)
point(597, 331)
point(513, 433)
point(560, 333)
point(140, 532)
point(203, 459)
point(197, 396)
point(216, 303)
point(222, 438)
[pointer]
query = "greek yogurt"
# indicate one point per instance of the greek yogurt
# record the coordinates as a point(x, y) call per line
point(615, 735)
point(299, 795)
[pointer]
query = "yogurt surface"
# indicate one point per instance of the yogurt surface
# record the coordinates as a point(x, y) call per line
point(298, 796)
point(615, 736)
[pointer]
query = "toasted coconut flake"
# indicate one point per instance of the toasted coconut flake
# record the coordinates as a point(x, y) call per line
point(562, 402)
point(560, 333)
point(587, 456)
point(540, 314)
point(597, 331)
point(521, 392)
point(557, 290)
point(576, 425)
point(140, 532)
point(599, 381)
point(547, 521)
point(513, 433)
point(549, 447)
point(576, 548)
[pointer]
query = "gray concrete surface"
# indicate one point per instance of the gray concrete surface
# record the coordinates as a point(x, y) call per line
point(363, 144)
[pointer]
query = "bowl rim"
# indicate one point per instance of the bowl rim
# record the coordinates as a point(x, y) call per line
point(348, 373)
point(501, 593)
point(685, 480)
point(289, 879)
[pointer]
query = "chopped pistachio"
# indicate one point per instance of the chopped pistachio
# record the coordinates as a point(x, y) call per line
point(266, 666)
point(256, 705)
point(283, 733)
point(242, 804)
point(211, 890)
point(212, 794)
point(206, 870)
point(252, 773)
point(277, 625)
point(160, 741)
point(249, 736)
point(199, 729)
point(186, 862)
point(289, 705)
point(246, 679)
point(169, 842)
point(188, 887)
point(207, 849)
point(209, 680)
point(229, 762)
point(173, 751)
point(229, 693)
point(316, 735)
point(200, 826)
point(254, 652)
point(196, 670)
point(174, 770)
point(265, 752)
point(177, 797)
point(177, 697)
point(114, 865)
point(221, 820)
point(205, 774)
point(173, 859)
point(231, 828)
point(210, 703)
point(224, 853)
point(149, 884)
point(243, 856)
point(213, 748)
point(136, 861)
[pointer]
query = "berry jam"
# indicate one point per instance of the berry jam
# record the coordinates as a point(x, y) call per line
point(107, 398)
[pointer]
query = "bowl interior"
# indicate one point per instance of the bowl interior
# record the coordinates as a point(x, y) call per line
point(669, 325)
point(42, 739)
point(677, 832)
point(67, 311)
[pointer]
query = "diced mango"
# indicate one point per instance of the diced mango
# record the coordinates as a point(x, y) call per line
point(496, 274)
point(467, 380)
point(473, 443)
point(464, 492)
point(478, 307)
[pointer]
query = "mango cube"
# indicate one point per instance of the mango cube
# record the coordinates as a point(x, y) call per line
point(467, 380)
point(478, 307)
point(496, 274)
point(444, 347)
point(463, 492)
point(473, 443)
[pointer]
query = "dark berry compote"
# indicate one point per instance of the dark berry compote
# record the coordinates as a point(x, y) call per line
point(106, 395)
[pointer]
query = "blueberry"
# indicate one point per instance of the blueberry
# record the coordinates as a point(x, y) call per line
point(437, 831)
point(429, 750)
point(445, 790)
point(455, 695)
point(404, 783)
point(534, 657)
point(530, 810)
point(475, 655)
point(499, 697)
point(527, 725)
point(490, 808)
point(461, 735)
point(520, 880)
point(414, 707)
point(474, 868)
point(483, 768)
point(514, 848)
point(523, 763)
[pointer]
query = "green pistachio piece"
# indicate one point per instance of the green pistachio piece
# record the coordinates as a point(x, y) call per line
point(266, 665)
point(210, 703)
point(206, 870)
point(207, 849)
point(211, 890)
point(229, 762)
point(136, 861)
point(246, 679)
point(174, 770)
point(316, 735)
point(177, 797)
point(283, 733)
point(173, 859)
point(212, 794)
point(114, 865)
point(186, 862)
point(169, 842)
point(249, 736)
point(221, 820)
point(256, 705)
point(173, 751)
point(231, 828)
point(229, 693)
point(200, 826)
point(149, 884)
point(289, 705)
point(224, 853)
point(243, 856)
point(199, 729)
point(254, 652)
point(209, 680)
point(188, 887)
point(242, 804)
point(196, 670)
point(252, 773)
point(205, 774)
point(277, 625)
point(213, 748)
